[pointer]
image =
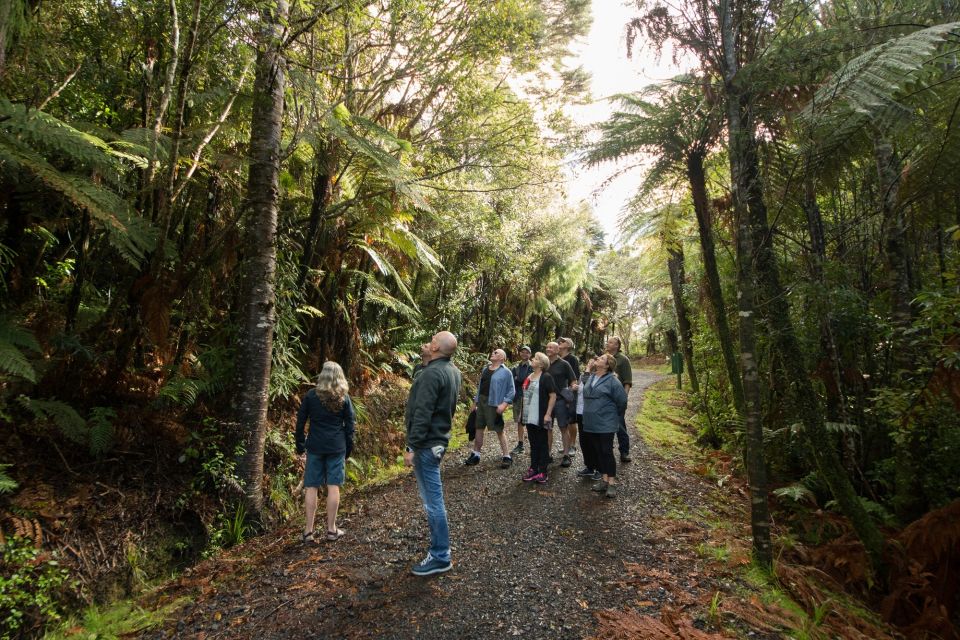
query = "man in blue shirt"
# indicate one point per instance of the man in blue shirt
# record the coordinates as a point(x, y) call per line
point(494, 394)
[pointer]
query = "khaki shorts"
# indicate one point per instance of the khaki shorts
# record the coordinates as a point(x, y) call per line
point(487, 416)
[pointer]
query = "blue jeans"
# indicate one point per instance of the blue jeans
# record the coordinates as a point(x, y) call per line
point(426, 468)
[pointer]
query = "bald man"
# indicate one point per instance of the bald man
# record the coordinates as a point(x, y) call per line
point(429, 416)
point(494, 394)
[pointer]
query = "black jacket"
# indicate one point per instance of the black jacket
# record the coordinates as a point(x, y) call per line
point(432, 403)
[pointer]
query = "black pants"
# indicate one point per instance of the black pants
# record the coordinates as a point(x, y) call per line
point(623, 438)
point(587, 446)
point(603, 450)
point(538, 448)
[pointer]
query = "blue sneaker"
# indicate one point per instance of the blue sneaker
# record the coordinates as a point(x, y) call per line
point(430, 565)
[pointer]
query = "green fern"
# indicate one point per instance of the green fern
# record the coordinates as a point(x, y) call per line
point(71, 424)
point(7, 484)
point(30, 140)
point(102, 430)
point(13, 340)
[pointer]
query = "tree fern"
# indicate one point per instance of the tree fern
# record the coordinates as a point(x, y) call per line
point(870, 88)
point(32, 140)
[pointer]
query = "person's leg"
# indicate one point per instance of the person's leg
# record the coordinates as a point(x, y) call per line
point(310, 507)
point(426, 468)
point(608, 463)
point(333, 505)
point(478, 441)
point(538, 443)
point(334, 467)
point(623, 437)
point(503, 443)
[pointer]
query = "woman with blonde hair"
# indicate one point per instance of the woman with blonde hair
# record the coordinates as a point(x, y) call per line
point(604, 401)
point(328, 443)
point(539, 397)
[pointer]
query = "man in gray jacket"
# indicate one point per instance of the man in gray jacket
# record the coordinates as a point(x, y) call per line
point(429, 417)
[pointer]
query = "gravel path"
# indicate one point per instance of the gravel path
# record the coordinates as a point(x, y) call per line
point(529, 561)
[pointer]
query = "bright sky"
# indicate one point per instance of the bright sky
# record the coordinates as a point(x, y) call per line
point(604, 55)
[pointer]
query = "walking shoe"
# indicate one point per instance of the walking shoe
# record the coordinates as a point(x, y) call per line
point(611, 491)
point(505, 462)
point(625, 457)
point(586, 472)
point(528, 476)
point(599, 487)
point(472, 459)
point(566, 461)
point(517, 450)
point(596, 476)
point(430, 565)
point(540, 478)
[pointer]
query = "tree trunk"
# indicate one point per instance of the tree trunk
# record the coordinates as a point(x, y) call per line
point(254, 345)
point(325, 164)
point(755, 248)
point(739, 138)
point(675, 265)
point(698, 188)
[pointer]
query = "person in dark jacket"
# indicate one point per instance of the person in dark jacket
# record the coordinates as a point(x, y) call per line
point(539, 399)
point(604, 401)
point(327, 444)
point(520, 372)
point(428, 419)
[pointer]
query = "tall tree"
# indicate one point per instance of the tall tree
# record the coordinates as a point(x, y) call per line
point(258, 303)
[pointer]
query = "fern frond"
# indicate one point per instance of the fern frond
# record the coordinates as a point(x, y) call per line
point(101, 428)
point(7, 484)
point(44, 132)
point(870, 88)
point(65, 417)
point(131, 235)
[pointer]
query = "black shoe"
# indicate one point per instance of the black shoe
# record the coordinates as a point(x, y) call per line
point(505, 462)
point(549, 459)
point(596, 476)
point(625, 457)
point(566, 461)
point(585, 473)
point(472, 459)
point(600, 487)
point(517, 450)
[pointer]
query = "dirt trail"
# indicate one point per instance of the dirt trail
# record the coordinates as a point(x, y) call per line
point(529, 561)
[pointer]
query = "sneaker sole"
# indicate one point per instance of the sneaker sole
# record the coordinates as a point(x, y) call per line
point(432, 571)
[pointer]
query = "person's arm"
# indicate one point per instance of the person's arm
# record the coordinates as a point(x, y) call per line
point(302, 415)
point(510, 394)
point(620, 396)
point(551, 400)
point(349, 425)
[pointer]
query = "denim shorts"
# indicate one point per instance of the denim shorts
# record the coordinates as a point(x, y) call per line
point(323, 469)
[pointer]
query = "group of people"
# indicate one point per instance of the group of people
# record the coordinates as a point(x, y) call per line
point(544, 389)
point(547, 390)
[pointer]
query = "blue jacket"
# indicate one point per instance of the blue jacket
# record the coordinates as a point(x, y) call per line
point(330, 433)
point(604, 401)
point(501, 387)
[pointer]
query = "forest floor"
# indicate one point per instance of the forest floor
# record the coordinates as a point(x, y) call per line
point(550, 561)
